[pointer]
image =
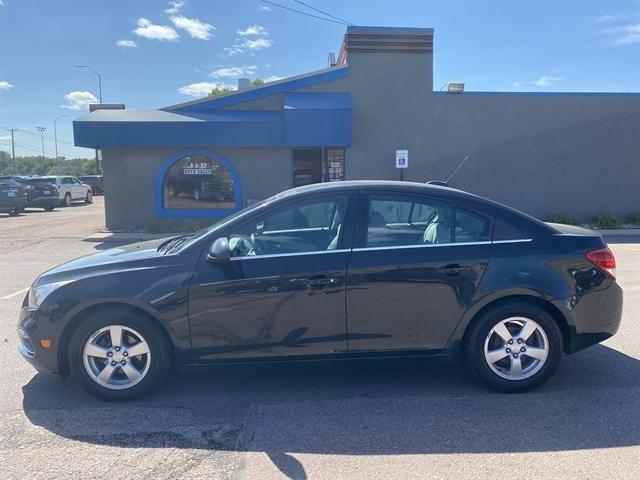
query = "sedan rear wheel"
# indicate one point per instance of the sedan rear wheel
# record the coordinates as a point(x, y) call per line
point(118, 354)
point(514, 347)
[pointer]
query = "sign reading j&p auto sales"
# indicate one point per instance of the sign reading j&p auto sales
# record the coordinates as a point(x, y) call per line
point(197, 168)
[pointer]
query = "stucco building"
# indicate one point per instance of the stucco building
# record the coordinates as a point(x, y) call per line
point(576, 153)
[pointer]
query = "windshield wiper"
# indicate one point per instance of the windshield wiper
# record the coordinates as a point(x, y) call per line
point(171, 244)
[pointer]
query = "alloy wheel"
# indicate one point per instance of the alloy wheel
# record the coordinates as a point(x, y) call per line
point(116, 357)
point(516, 348)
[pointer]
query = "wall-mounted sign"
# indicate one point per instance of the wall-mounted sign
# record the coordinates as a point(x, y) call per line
point(402, 158)
point(197, 168)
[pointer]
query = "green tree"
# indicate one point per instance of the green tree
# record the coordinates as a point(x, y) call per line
point(220, 91)
point(256, 82)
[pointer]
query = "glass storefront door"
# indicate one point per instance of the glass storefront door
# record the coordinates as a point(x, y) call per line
point(316, 165)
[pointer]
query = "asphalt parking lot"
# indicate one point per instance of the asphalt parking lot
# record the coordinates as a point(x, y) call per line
point(395, 419)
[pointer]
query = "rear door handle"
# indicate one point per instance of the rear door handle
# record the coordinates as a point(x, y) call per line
point(320, 281)
point(454, 270)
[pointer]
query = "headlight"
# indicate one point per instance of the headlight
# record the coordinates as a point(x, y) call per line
point(39, 293)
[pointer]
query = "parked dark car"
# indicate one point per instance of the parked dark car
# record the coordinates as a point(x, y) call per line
point(13, 196)
point(40, 192)
point(200, 187)
point(96, 183)
point(329, 271)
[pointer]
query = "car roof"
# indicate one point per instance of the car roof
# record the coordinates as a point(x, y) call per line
point(441, 192)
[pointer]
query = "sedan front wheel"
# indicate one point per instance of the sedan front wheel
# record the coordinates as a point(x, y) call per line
point(118, 354)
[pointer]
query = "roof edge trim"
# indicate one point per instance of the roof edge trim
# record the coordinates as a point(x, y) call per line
point(272, 88)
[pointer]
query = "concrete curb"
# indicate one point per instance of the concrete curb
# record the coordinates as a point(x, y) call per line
point(109, 237)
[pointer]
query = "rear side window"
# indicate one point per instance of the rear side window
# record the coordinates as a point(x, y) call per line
point(471, 227)
point(505, 230)
point(396, 220)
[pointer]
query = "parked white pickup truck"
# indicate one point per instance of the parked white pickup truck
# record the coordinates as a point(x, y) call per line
point(70, 189)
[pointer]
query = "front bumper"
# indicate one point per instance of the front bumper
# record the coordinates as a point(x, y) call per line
point(30, 334)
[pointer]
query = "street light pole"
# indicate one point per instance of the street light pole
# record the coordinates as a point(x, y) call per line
point(55, 138)
point(44, 161)
point(99, 79)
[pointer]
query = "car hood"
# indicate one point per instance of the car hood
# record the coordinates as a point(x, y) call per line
point(136, 255)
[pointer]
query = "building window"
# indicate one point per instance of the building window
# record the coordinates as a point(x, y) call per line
point(198, 182)
point(316, 165)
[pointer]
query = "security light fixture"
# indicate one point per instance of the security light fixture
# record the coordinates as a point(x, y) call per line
point(455, 87)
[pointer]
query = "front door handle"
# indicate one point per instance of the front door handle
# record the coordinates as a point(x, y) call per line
point(454, 270)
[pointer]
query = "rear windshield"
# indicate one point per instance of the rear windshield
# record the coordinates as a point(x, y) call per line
point(8, 184)
point(38, 181)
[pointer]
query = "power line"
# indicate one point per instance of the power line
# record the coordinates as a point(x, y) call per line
point(46, 136)
point(305, 13)
point(322, 12)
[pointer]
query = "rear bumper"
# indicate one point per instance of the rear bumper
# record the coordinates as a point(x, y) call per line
point(11, 205)
point(43, 201)
point(594, 317)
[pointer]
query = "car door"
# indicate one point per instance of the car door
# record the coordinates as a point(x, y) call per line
point(79, 190)
point(283, 291)
point(416, 264)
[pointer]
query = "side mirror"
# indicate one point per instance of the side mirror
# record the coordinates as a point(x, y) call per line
point(219, 251)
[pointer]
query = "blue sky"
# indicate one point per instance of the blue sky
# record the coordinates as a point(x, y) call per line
point(156, 53)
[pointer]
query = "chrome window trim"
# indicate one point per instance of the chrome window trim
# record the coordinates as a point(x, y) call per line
point(294, 254)
point(426, 245)
point(519, 240)
point(391, 247)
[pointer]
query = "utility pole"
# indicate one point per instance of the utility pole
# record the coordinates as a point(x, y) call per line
point(100, 96)
point(13, 150)
point(44, 160)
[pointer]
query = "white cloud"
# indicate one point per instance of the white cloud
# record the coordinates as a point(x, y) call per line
point(247, 45)
point(625, 34)
point(547, 81)
point(516, 84)
point(231, 72)
point(257, 30)
point(4, 85)
point(273, 78)
point(127, 44)
point(174, 7)
point(201, 89)
point(195, 28)
point(78, 100)
point(151, 31)
point(257, 44)
point(265, 8)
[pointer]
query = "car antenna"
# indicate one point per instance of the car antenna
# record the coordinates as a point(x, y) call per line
point(446, 182)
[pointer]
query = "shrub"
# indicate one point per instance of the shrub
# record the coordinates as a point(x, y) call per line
point(563, 218)
point(606, 221)
point(634, 217)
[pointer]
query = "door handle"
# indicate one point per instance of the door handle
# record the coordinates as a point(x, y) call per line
point(320, 281)
point(454, 270)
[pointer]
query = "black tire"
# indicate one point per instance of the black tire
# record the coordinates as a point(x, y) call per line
point(475, 343)
point(157, 340)
point(89, 197)
point(14, 213)
point(67, 200)
point(48, 208)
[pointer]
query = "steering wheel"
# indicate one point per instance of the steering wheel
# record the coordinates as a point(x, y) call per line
point(256, 244)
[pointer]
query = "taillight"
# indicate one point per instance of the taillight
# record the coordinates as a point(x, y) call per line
point(603, 259)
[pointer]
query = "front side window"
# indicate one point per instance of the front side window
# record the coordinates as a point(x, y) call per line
point(198, 182)
point(399, 220)
point(304, 226)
